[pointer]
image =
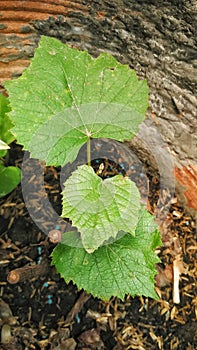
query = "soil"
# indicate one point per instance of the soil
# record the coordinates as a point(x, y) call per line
point(43, 312)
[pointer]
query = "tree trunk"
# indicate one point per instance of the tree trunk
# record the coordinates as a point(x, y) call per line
point(157, 38)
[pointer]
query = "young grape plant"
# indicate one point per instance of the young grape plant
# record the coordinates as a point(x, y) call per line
point(62, 101)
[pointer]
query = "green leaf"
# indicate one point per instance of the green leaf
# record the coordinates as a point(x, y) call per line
point(3, 153)
point(10, 177)
point(5, 123)
point(99, 209)
point(126, 266)
point(66, 96)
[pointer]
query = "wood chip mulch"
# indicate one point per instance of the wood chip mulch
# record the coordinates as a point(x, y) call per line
point(39, 311)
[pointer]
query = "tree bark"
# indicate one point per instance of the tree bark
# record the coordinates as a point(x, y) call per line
point(157, 38)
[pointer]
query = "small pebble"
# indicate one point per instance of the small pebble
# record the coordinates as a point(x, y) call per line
point(122, 165)
point(39, 260)
point(39, 250)
point(77, 318)
point(49, 301)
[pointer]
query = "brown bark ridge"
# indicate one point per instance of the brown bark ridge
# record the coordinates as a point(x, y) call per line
point(157, 38)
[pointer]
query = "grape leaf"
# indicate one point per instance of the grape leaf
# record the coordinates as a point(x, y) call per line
point(127, 266)
point(66, 96)
point(99, 209)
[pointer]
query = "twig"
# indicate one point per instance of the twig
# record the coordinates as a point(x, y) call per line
point(27, 272)
point(177, 271)
point(77, 306)
point(55, 236)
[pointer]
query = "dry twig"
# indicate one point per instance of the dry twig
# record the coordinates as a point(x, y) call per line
point(27, 272)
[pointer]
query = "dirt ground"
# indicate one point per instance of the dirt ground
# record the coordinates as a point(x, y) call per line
point(43, 312)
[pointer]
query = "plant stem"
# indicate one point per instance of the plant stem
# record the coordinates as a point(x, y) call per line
point(88, 152)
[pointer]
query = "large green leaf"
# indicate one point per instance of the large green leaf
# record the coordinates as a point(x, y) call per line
point(66, 96)
point(127, 266)
point(99, 209)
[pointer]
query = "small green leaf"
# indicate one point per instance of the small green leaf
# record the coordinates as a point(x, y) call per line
point(126, 266)
point(5, 123)
point(3, 153)
point(99, 209)
point(10, 177)
point(66, 95)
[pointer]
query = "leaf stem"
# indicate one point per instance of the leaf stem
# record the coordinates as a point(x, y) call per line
point(88, 152)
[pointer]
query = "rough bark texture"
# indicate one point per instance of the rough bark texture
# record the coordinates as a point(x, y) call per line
point(156, 38)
